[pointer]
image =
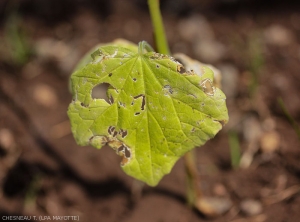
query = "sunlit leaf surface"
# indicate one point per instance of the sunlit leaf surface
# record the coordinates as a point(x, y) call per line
point(154, 113)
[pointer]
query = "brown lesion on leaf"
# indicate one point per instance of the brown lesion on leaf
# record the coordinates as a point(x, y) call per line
point(222, 122)
point(121, 149)
point(208, 87)
point(143, 100)
point(122, 104)
point(181, 69)
point(111, 99)
point(193, 96)
point(98, 141)
point(125, 152)
point(168, 89)
point(111, 130)
point(84, 105)
point(123, 133)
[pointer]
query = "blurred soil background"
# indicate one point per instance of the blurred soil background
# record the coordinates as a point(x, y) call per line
point(254, 161)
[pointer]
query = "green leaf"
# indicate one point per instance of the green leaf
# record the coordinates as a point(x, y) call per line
point(156, 111)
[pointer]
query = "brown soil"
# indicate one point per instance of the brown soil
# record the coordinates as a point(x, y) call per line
point(44, 173)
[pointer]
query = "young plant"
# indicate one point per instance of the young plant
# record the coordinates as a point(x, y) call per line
point(157, 109)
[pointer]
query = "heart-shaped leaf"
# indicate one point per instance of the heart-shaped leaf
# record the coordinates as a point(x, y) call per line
point(156, 110)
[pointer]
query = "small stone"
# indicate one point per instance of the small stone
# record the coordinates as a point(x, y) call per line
point(213, 206)
point(251, 207)
point(6, 139)
point(45, 95)
point(269, 124)
point(219, 190)
point(270, 142)
point(31, 70)
point(278, 35)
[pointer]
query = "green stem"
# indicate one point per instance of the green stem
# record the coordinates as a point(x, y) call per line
point(235, 152)
point(193, 180)
point(159, 31)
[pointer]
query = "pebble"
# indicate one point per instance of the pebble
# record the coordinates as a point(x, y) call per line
point(219, 190)
point(213, 206)
point(270, 142)
point(45, 95)
point(6, 139)
point(251, 207)
point(278, 35)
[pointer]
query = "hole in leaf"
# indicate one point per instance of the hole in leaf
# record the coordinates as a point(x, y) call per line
point(99, 92)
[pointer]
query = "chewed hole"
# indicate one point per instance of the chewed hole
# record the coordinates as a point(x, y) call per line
point(99, 92)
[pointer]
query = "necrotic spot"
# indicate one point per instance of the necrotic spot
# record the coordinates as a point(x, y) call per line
point(123, 133)
point(127, 152)
point(208, 87)
point(82, 104)
point(181, 69)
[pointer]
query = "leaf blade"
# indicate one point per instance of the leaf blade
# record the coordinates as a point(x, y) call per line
point(163, 109)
